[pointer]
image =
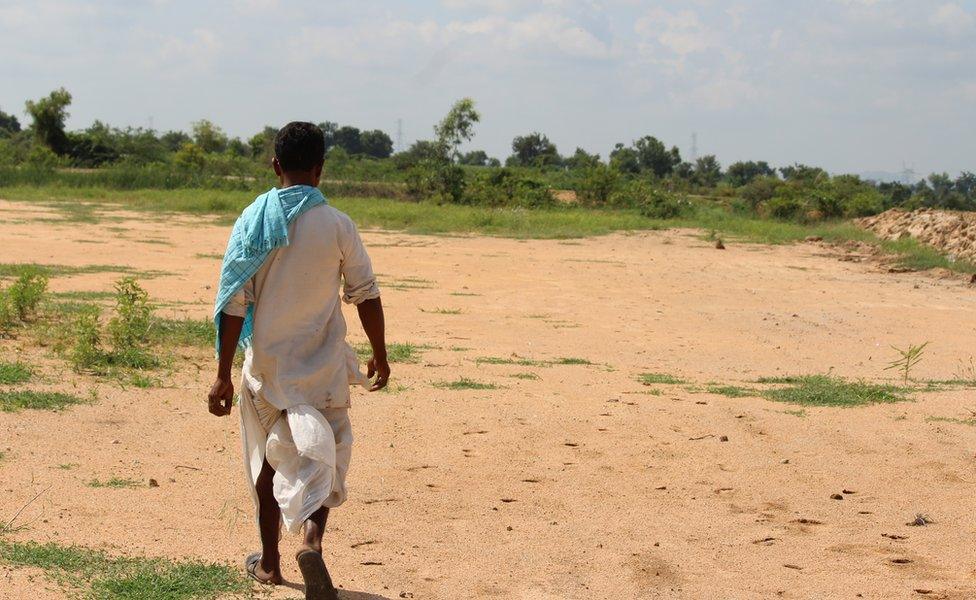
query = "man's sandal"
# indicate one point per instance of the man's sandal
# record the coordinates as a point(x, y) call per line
point(318, 584)
point(251, 566)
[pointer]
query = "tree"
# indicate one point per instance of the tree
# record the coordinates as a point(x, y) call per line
point(708, 170)
point(174, 140)
point(347, 138)
point(654, 157)
point(624, 159)
point(740, 173)
point(237, 147)
point(798, 172)
point(209, 137)
point(376, 143)
point(476, 158)
point(261, 144)
point(190, 157)
point(534, 150)
point(329, 129)
point(581, 159)
point(457, 126)
point(49, 115)
point(9, 125)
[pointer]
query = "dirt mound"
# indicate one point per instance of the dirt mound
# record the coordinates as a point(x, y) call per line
point(951, 232)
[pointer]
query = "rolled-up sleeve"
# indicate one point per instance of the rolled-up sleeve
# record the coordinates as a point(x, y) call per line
point(237, 305)
point(359, 282)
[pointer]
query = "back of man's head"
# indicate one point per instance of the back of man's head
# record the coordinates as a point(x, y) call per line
point(299, 146)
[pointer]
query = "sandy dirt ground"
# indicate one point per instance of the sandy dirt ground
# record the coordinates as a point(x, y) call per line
point(581, 483)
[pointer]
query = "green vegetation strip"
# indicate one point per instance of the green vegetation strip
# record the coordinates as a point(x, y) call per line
point(828, 390)
point(94, 574)
point(15, 401)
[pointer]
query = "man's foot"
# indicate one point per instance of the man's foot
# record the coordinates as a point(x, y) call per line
point(318, 584)
point(257, 572)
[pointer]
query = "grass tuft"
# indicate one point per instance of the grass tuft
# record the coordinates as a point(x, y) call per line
point(117, 483)
point(15, 372)
point(16, 401)
point(828, 390)
point(513, 360)
point(465, 384)
point(731, 391)
point(660, 378)
point(572, 361)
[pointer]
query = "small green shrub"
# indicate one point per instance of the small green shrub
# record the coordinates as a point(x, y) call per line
point(86, 353)
point(659, 204)
point(504, 187)
point(827, 204)
point(865, 204)
point(7, 313)
point(436, 180)
point(130, 327)
point(760, 190)
point(785, 208)
point(598, 185)
point(27, 292)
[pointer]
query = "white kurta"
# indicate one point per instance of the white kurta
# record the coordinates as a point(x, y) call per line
point(299, 365)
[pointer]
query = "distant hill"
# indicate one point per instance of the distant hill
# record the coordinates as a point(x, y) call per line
point(885, 176)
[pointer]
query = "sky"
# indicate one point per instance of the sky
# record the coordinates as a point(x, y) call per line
point(849, 85)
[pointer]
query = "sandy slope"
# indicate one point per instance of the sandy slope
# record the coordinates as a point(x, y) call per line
point(580, 484)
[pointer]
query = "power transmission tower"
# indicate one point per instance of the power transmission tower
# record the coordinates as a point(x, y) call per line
point(399, 140)
point(907, 174)
point(694, 147)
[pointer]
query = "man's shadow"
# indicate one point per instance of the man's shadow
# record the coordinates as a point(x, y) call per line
point(343, 594)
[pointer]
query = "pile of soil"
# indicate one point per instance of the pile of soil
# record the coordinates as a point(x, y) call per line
point(953, 233)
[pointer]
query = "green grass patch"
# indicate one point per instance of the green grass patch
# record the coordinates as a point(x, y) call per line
point(572, 361)
point(465, 384)
point(512, 360)
point(828, 390)
point(117, 483)
point(68, 466)
point(14, 372)
point(530, 376)
point(93, 574)
point(731, 391)
point(211, 256)
point(395, 352)
point(659, 378)
point(183, 332)
point(800, 412)
point(912, 254)
point(15, 401)
point(141, 381)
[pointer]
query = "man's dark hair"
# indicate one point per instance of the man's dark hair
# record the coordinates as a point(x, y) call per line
point(299, 146)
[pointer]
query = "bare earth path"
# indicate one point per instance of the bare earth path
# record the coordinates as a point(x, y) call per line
point(578, 484)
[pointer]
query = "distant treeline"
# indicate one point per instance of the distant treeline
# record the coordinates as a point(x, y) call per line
point(645, 174)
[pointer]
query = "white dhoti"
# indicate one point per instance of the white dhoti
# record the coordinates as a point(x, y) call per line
point(309, 449)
